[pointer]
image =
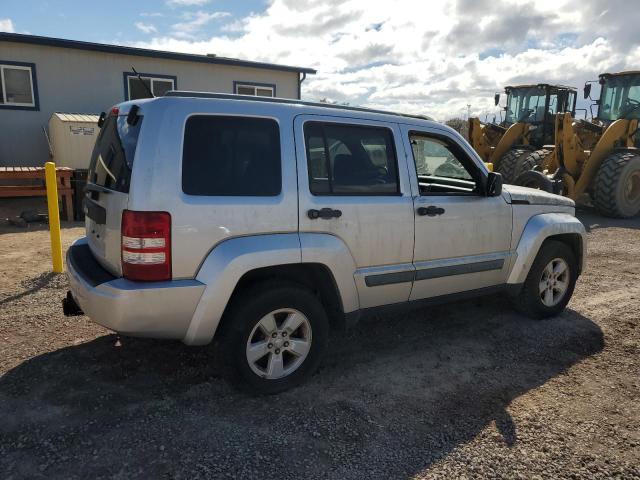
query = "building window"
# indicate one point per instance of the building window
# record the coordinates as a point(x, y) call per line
point(18, 86)
point(255, 89)
point(158, 85)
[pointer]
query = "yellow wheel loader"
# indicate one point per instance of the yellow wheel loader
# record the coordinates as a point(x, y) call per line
point(528, 126)
point(599, 158)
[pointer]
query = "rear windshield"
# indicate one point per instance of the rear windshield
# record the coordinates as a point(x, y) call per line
point(113, 154)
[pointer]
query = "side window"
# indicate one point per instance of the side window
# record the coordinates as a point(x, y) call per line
point(231, 156)
point(350, 160)
point(440, 167)
point(17, 86)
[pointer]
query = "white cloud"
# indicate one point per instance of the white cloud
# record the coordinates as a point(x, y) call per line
point(151, 14)
point(6, 25)
point(186, 3)
point(146, 27)
point(193, 22)
point(426, 57)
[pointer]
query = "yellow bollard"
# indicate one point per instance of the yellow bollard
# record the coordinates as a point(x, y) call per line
point(54, 215)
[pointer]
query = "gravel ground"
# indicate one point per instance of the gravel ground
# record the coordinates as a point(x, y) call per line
point(470, 390)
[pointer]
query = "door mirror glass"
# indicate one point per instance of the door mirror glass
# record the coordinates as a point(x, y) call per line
point(496, 99)
point(494, 185)
point(587, 90)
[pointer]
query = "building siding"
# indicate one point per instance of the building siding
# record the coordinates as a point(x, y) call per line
point(79, 81)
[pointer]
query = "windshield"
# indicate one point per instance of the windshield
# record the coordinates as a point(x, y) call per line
point(620, 98)
point(113, 154)
point(527, 105)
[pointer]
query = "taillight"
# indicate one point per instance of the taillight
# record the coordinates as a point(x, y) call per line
point(115, 111)
point(146, 245)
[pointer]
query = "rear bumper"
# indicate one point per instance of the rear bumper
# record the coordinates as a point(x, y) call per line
point(144, 309)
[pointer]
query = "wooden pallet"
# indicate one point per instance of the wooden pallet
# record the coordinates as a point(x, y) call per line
point(63, 175)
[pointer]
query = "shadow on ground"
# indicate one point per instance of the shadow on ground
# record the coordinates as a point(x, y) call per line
point(394, 396)
point(592, 220)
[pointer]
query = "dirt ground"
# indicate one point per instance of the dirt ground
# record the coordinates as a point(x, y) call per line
point(470, 390)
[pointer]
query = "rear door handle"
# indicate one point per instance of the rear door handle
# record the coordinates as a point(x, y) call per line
point(430, 211)
point(325, 213)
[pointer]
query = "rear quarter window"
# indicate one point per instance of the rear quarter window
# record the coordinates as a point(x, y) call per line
point(231, 156)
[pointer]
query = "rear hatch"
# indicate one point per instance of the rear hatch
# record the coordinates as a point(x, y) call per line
point(108, 187)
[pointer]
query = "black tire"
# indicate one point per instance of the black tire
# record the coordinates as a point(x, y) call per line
point(534, 179)
point(243, 315)
point(509, 162)
point(616, 188)
point(529, 300)
point(531, 160)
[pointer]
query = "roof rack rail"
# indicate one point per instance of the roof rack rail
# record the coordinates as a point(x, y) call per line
point(287, 101)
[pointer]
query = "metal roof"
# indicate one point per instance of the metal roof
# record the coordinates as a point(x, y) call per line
point(620, 74)
point(144, 52)
point(76, 117)
point(543, 85)
point(287, 101)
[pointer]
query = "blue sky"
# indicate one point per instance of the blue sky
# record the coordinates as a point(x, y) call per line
point(430, 57)
point(104, 21)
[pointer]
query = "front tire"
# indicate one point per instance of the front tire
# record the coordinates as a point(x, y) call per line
point(510, 162)
point(275, 337)
point(532, 160)
point(550, 282)
point(616, 189)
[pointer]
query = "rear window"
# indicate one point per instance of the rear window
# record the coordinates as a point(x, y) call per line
point(113, 154)
point(350, 160)
point(231, 156)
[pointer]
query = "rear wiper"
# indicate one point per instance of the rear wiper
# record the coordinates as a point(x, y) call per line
point(92, 187)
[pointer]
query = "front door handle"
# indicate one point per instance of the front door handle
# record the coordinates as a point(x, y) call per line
point(430, 211)
point(325, 213)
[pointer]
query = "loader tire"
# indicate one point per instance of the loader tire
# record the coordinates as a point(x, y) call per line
point(531, 161)
point(616, 189)
point(509, 162)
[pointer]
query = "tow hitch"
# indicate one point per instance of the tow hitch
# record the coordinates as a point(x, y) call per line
point(69, 306)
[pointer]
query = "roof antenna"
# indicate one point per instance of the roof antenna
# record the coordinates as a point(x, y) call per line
point(144, 84)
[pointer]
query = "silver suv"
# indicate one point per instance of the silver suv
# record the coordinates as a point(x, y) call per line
point(264, 223)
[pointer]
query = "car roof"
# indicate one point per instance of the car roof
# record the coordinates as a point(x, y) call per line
point(330, 109)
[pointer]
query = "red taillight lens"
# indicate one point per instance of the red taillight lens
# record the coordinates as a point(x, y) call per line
point(115, 111)
point(146, 246)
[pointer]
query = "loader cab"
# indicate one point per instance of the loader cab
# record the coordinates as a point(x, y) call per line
point(619, 96)
point(537, 105)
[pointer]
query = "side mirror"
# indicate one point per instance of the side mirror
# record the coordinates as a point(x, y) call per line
point(101, 118)
point(587, 90)
point(496, 99)
point(494, 185)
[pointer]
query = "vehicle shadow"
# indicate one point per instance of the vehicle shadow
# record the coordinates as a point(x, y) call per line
point(394, 396)
point(592, 220)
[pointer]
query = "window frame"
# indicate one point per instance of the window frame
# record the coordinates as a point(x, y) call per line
point(478, 175)
point(322, 123)
point(150, 76)
point(231, 115)
point(255, 86)
point(31, 67)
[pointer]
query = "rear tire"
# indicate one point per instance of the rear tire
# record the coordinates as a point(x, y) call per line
point(274, 337)
point(616, 189)
point(545, 295)
point(508, 166)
